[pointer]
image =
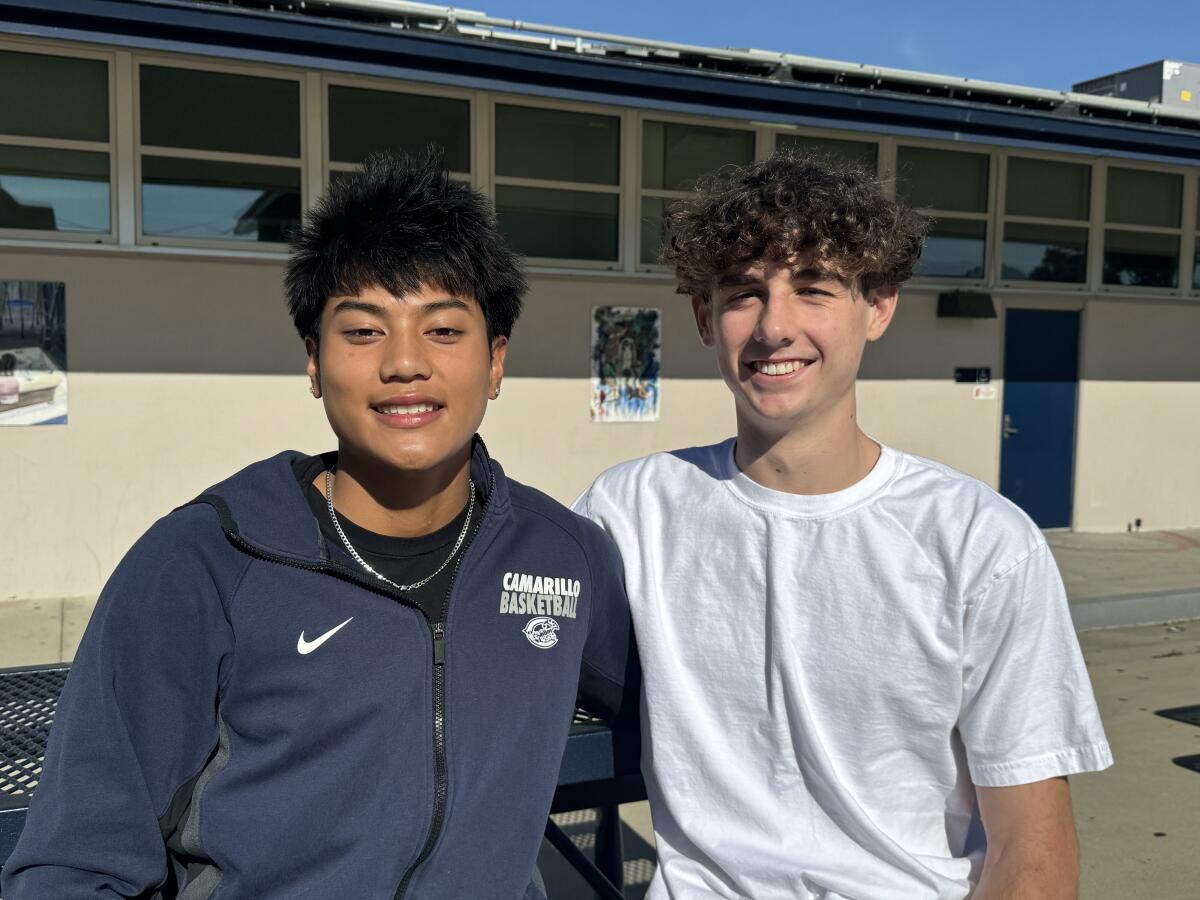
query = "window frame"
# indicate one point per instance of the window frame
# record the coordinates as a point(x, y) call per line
point(494, 180)
point(1191, 235)
point(372, 83)
point(299, 163)
point(125, 155)
point(763, 143)
point(1003, 218)
point(42, 48)
point(988, 216)
point(858, 137)
point(1185, 231)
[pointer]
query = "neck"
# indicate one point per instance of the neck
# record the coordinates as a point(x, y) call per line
point(818, 457)
point(396, 503)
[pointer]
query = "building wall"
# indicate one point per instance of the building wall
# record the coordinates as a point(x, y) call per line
point(1138, 439)
point(183, 369)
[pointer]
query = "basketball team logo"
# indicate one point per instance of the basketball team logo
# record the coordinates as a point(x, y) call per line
point(542, 632)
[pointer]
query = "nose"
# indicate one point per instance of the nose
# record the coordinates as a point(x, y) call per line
point(775, 327)
point(405, 358)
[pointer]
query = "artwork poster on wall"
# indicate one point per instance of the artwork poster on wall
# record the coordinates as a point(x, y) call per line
point(626, 347)
point(33, 353)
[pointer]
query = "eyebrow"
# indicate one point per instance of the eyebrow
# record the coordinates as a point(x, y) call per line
point(355, 305)
point(733, 280)
point(813, 275)
point(448, 303)
point(744, 278)
point(350, 305)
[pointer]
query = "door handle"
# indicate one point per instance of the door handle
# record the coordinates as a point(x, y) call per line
point(1008, 430)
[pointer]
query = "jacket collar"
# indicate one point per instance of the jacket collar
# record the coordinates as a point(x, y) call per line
point(263, 505)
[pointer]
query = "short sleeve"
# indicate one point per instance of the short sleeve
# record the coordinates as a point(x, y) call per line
point(1028, 712)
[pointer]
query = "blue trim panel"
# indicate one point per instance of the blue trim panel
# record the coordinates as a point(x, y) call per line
point(307, 43)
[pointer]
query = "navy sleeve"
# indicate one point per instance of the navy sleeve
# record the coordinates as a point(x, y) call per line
point(608, 661)
point(136, 720)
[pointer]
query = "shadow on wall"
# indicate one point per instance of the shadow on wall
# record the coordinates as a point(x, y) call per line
point(187, 315)
point(552, 338)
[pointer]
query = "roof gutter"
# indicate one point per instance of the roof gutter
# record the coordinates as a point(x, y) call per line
point(458, 17)
point(420, 48)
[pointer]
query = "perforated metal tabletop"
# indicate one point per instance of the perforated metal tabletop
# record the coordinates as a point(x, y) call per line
point(28, 699)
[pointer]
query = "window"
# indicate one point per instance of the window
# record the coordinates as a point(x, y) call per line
point(557, 177)
point(362, 121)
point(674, 156)
point(1147, 206)
point(219, 155)
point(952, 187)
point(863, 153)
point(1047, 205)
point(55, 145)
point(1196, 254)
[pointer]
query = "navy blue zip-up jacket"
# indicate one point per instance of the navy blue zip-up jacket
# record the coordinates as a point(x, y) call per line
point(198, 753)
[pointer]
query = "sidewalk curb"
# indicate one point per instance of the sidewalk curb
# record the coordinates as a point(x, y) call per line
point(1135, 609)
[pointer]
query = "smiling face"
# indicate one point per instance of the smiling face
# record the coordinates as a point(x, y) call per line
point(789, 338)
point(405, 380)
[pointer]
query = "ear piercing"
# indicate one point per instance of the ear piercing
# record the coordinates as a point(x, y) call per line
point(314, 390)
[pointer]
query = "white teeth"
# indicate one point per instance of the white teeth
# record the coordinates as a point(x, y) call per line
point(781, 368)
point(406, 410)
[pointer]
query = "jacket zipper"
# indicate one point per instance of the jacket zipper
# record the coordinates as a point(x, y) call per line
point(437, 632)
point(441, 769)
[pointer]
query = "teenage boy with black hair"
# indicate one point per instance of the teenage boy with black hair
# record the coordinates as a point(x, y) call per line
point(349, 675)
point(856, 662)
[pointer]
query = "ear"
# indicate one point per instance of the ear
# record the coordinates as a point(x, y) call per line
point(882, 301)
point(313, 368)
point(499, 354)
point(702, 310)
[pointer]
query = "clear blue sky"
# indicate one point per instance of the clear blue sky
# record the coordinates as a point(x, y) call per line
point(1044, 43)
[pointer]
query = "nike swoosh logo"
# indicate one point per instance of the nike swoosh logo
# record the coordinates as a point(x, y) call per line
point(304, 647)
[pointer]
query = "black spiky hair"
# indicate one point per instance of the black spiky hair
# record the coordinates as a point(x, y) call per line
point(398, 224)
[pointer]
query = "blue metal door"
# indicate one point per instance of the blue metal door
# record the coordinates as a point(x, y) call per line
point(1041, 379)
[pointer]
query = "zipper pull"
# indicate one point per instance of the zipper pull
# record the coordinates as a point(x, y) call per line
point(439, 644)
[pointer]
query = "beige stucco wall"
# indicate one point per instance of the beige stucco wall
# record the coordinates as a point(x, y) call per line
point(183, 369)
point(907, 395)
point(1138, 438)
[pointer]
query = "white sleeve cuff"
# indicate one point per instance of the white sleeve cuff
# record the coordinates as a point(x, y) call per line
point(1071, 761)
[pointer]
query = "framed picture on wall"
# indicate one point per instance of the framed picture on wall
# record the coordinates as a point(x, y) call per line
point(626, 346)
point(33, 353)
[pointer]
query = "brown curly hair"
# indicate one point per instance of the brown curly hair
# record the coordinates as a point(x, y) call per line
point(787, 205)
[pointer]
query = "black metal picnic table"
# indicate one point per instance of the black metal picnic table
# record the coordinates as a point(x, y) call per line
point(599, 771)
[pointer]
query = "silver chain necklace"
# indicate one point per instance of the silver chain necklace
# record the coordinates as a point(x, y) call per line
point(362, 562)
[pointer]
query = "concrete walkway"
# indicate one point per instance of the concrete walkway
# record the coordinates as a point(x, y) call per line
point(1116, 580)
point(1139, 822)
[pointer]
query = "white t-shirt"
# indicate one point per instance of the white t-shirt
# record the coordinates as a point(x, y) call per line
point(827, 676)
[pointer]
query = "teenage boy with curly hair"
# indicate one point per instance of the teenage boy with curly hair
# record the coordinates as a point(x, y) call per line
point(349, 675)
point(860, 676)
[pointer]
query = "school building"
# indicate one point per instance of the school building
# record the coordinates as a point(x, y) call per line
point(153, 156)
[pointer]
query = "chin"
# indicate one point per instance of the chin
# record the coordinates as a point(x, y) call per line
point(411, 453)
point(777, 406)
point(421, 458)
point(773, 419)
